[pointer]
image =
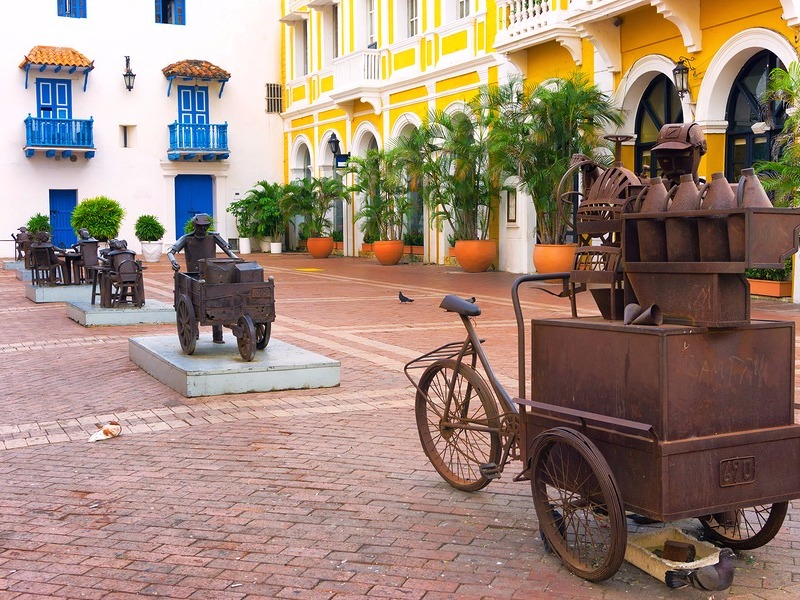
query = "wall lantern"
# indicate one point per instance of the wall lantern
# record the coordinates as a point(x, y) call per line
point(128, 75)
point(680, 75)
point(333, 144)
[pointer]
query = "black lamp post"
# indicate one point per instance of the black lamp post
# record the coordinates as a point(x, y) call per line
point(128, 75)
point(680, 75)
point(339, 159)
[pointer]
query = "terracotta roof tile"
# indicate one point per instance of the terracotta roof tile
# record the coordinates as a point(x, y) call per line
point(56, 55)
point(201, 69)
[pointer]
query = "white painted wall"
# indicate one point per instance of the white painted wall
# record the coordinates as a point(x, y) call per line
point(241, 37)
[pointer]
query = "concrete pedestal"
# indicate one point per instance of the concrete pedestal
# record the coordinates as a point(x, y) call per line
point(216, 369)
point(58, 293)
point(24, 274)
point(89, 315)
point(10, 265)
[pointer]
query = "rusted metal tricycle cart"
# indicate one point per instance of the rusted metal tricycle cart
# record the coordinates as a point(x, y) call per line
point(230, 293)
point(689, 416)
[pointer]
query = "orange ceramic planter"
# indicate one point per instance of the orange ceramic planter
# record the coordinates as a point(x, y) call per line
point(388, 252)
point(764, 287)
point(475, 256)
point(553, 258)
point(320, 247)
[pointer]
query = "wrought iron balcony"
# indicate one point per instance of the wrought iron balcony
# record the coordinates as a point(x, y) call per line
point(189, 141)
point(59, 137)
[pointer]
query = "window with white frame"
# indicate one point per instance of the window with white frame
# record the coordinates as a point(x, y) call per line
point(301, 48)
point(463, 8)
point(372, 24)
point(406, 19)
point(413, 17)
point(330, 34)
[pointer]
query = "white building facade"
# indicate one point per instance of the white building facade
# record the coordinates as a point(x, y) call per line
point(196, 130)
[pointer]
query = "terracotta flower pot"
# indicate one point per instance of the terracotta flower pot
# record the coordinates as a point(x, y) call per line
point(553, 258)
point(475, 256)
point(320, 247)
point(388, 252)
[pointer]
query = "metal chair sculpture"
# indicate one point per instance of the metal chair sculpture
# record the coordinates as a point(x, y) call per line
point(46, 269)
point(125, 278)
point(89, 258)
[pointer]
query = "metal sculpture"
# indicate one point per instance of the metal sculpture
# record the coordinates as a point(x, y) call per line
point(652, 412)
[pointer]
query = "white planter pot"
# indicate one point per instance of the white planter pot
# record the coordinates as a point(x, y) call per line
point(276, 247)
point(151, 251)
point(244, 245)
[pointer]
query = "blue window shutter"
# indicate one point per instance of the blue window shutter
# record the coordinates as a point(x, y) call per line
point(80, 9)
point(180, 12)
point(158, 11)
point(62, 8)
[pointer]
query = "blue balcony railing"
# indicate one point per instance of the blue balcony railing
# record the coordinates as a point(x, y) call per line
point(59, 133)
point(209, 141)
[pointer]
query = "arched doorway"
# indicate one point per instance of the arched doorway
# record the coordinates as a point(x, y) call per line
point(660, 104)
point(752, 127)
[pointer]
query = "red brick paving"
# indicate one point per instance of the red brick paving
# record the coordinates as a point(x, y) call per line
point(309, 494)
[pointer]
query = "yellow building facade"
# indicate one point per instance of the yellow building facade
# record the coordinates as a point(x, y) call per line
point(367, 71)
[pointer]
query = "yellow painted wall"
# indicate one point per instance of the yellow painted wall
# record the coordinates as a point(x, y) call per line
point(454, 43)
point(406, 58)
point(326, 84)
point(298, 93)
point(549, 60)
point(302, 122)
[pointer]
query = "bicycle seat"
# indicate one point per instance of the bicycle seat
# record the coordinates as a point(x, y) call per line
point(465, 308)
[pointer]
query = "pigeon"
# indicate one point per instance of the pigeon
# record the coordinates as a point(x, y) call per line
point(471, 300)
point(107, 431)
point(713, 578)
point(404, 298)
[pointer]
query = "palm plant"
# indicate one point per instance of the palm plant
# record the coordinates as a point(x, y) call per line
point(259, 212)
point(450, 159)
point(535, 130)
point(312, 199)
point(378, 177)
point(781, 175)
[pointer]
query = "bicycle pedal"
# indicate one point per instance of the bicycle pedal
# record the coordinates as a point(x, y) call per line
point(490, 470)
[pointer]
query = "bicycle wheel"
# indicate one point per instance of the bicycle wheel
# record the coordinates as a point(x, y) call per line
point(745, 528)
point(578, 504)
point(457, 443)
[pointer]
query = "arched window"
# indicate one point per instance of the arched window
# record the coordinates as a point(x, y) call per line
point(660, 104)
point(751, 126)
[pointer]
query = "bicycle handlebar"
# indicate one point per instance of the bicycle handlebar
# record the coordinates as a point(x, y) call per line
point(564, 276)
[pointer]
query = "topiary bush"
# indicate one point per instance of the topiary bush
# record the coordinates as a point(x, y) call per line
point(102, 216)
point(148, 229)
point(37, 223)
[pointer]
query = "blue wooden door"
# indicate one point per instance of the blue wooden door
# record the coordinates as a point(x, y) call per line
point(62, 203)
point(193, 194)
point(54, 101)
point(193, 116)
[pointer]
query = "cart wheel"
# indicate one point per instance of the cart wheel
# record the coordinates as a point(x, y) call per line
point(187, 324)
point(578, 503)
point(263, 331)
point(456, 451)
point(246, 340)
point(745, 528)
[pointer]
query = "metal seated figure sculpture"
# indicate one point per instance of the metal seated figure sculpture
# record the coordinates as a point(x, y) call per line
point(125, 278)
point(22, 242)
point(678, 150)
point(46, 268)
point(200, 244)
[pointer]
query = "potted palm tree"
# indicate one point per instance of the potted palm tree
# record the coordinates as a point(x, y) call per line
point(259, 215)
point(539, 128)
point(450, 159)
point(312, 199)
point(378, 180)
point(149, 231)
